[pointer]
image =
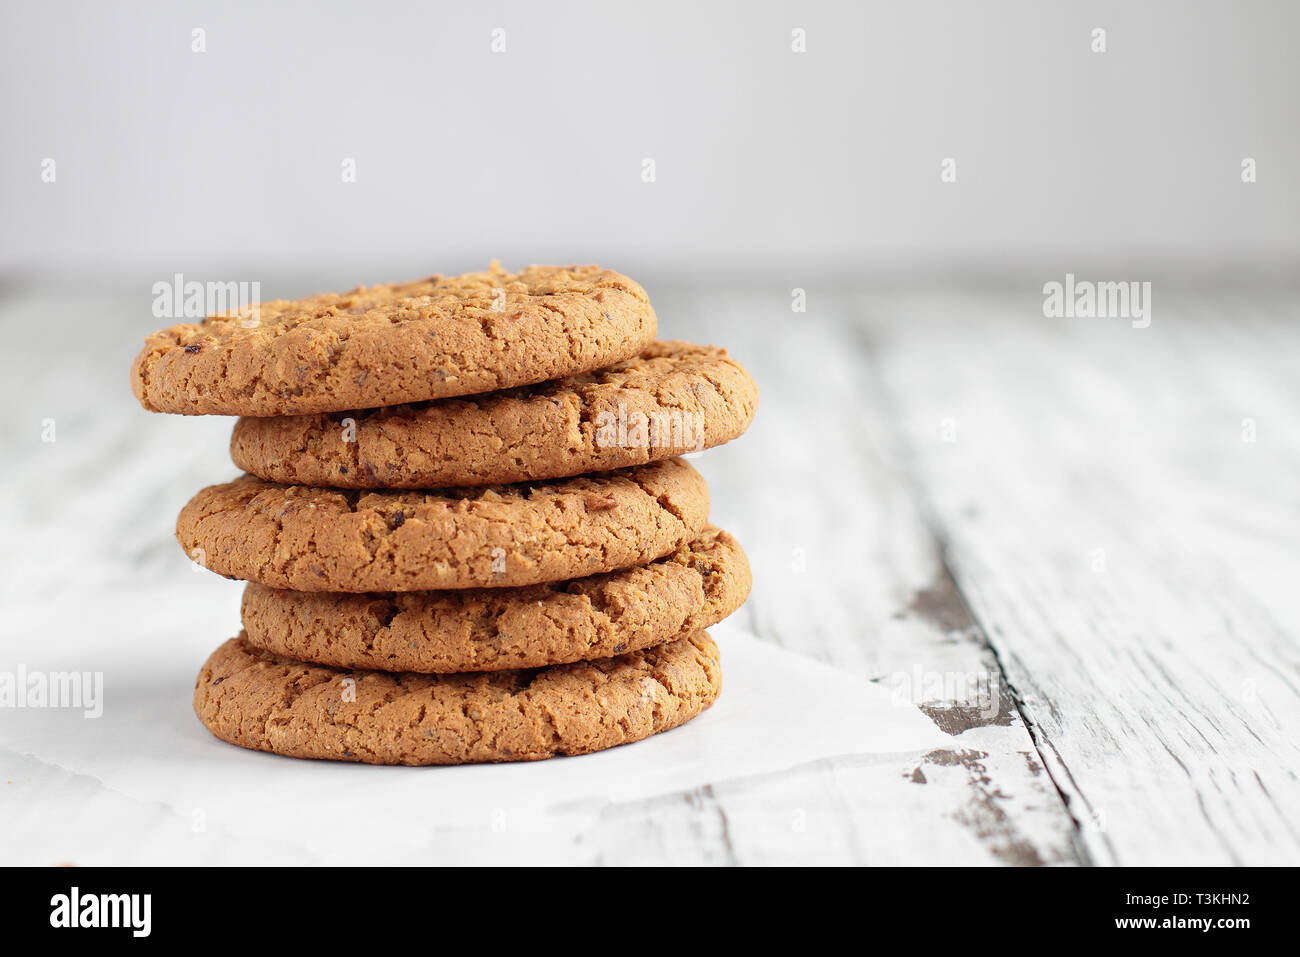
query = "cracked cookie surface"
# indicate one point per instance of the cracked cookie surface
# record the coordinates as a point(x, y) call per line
point(390, 344)
point(675, 397)
point(317, 539)
point(501, 628)
point(266, 702)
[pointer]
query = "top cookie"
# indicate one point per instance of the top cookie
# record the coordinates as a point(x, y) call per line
point(387, 345)
point(674, 398)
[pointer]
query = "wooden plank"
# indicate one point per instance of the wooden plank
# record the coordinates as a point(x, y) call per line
point(1127, 549)
point(847, 570)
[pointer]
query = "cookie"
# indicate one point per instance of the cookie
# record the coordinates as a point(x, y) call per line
point(500, 628)
point(317, 539)
point(265, 702)
point(673, 398)
point(386, 345)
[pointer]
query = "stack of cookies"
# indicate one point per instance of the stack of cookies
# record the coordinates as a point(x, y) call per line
point(465, 526)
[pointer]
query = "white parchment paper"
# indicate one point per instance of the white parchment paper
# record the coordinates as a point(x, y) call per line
point(145, 781)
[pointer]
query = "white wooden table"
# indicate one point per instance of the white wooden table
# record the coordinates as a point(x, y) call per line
point(1075, 544)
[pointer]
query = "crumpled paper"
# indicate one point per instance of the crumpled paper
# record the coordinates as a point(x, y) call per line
point(778, 710)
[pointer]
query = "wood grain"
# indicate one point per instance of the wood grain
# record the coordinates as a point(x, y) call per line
point(846, 569)
point(1129, 551)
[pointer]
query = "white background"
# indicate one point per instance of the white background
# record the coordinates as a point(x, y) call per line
point(822, 166)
